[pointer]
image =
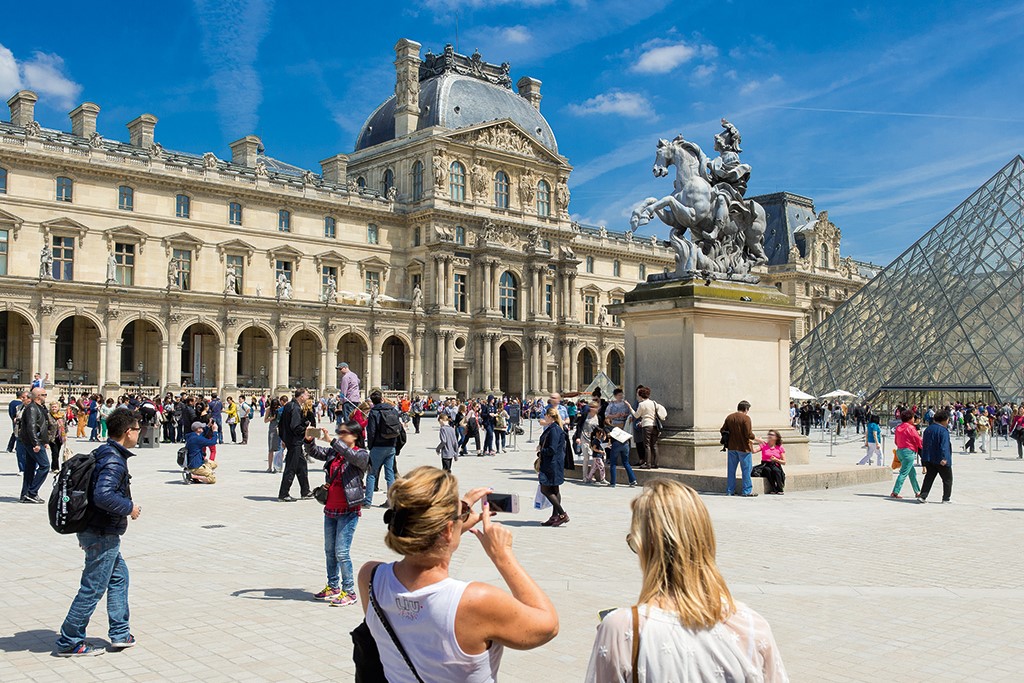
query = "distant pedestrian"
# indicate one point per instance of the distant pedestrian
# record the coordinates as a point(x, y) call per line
point(383, 427)
point(740, 432)
point(872, 441)
point(293, 433)
point(908, 445)
point(448, 445)
point(551, 474)
point(34, 442)
point(937, 456)
point(348, 393)
point(110, 505)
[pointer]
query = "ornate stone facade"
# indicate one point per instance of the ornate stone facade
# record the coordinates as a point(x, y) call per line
point(512, 294)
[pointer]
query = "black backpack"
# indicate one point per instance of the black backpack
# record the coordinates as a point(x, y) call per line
point(69, 501)
point(390, 425)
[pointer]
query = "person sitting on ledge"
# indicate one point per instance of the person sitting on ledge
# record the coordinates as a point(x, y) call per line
point(200, 468)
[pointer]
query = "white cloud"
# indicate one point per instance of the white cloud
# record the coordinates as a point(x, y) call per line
point(704, 71)
point(629, 104)
point(516, 35)
point(231, 32)
point(43, 73)
point(661, 60)
point(751, 86)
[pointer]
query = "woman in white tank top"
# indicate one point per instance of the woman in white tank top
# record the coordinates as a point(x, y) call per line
point(451, 631)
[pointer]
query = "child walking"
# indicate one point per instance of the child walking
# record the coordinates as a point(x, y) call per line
point(448, 447)
point(598, 446)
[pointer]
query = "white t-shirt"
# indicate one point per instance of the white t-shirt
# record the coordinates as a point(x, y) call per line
point(741, 648)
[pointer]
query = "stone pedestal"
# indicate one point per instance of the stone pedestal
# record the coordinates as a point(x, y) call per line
point(703, 348)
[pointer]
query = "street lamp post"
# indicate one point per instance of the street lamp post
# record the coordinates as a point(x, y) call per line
point(202, 375)
point(263, 376)
point(71, 366)
point(141, 369)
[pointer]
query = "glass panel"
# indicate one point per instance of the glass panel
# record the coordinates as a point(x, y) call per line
point(4, 236)
point(124, 257)
point(508, 296)
point(64, 189)
point(417, 181)
point(501, 190)
point(183, 259)
point(63, 258)
point(183, 206)
point(372, 278)
point(235, 213)
point(461, 300)
point(3, 180)
point(237, 264)
point(125, 198)
point(330, 227)
point(284, 221)
point(372, 234)
point(457, 182)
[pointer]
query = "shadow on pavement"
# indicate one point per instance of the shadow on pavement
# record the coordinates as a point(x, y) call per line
point(1009, 509)
point(38, 640)
point(275, 594)
point(262, 499)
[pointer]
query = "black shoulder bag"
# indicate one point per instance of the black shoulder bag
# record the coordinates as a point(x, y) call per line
point(365, 654)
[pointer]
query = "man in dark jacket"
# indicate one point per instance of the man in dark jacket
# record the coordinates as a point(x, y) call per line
point(105, 570)
point(293, 432)
point(187, 416)
point(217, 413)
point(33, 440)
point(12, 410)
point(937, 456)
point(741, 436)
point(381, 423)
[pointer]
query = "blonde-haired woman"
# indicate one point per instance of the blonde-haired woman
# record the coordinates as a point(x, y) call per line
point(551, 472)
point(687, 627)
point(451, 630)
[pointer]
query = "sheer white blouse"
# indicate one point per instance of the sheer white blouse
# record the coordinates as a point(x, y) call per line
point(741, 648)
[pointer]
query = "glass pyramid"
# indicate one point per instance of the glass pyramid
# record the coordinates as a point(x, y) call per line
point(947, 315)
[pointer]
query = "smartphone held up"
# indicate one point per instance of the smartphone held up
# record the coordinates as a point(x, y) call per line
point(503, 502)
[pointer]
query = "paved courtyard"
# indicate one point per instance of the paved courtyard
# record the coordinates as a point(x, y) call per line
point(857, 587)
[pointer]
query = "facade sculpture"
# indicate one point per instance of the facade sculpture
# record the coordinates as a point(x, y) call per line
point(284, 288)
point(172, 274)
point(726, 230)
point(230, 282)
point(331, 290)
point(417, 298)
point(46, 263)
point(111, 269)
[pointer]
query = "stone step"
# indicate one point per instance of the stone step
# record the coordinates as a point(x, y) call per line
point(814, 477)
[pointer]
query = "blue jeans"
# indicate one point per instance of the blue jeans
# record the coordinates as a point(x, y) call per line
point(338, 532)
point(619, 451)
point(220, 429)
point(489, 438)
point(105, 572)
point(36, 467)
point(744, 461)
point(379, 455)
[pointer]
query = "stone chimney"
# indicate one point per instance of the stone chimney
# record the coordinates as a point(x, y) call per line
point(335, 169)
point(407, 87)
point(245, 152)
point(529, 90)
point(140, 131)
point(83, 119)
point(23, 107)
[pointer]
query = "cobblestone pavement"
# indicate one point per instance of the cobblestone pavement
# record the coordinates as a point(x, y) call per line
point(857, 587)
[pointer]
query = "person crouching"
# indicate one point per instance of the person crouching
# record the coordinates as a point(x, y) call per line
point(200, 468)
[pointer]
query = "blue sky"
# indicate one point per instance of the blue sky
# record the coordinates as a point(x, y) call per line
point(888, 114)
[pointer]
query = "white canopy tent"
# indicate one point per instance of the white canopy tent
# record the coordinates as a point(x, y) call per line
point(796, 395)
point(838, 393)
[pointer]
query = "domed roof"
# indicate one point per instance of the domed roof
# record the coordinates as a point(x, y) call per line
point(453, 100)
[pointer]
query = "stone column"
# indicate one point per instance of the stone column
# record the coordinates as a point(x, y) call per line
point(227, 366)
point(275, 351)
point(574, 374)
point(375, 358)
point(564, 370)
point(485, 287)
point(438, 280)
point(448, 280)
point(322, 384)
point(572, 297)
point(37, 355)
point(493, 265)
point(164, 376)
point(449, 366)
point(331, 372)
point(439, 361)
point(495, 364)
point(417, 360)
point(536, 298)
point(283, 355)
point(109, 379)
point(485, 352)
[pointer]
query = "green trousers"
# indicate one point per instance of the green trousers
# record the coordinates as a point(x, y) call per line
point(907, 458)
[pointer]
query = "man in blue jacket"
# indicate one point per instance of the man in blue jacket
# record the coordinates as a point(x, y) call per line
point(201, 468)
point(382, 426)
point(105, 570)
point(937, 456)
point(217, 413)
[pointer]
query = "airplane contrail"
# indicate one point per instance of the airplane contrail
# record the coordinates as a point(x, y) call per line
point(898, 113)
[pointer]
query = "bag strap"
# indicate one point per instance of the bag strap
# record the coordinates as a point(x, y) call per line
point(387, 627)
point(636, 643)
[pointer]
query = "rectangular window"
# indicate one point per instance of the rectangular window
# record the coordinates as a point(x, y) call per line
point(589, 309)
point(643, 272)
point(4, 236)
point(235, 213)
point(237, 264)
point(124, 257)
point(461, 300)
point(330, 227)
point(183, 262)
point(549, 303)
point(64, 189)
point(372, 234)
point(284, 221)
point(63, 258)
point(615, 318)
point(416, 238)
point(372, 278)
point(545, 245)
point(590, 264)
point(183, 206)
point(417, 281)
point(460, 235)
point(616, 268)
point(283, 268)
point(326, 273)
point(3, 180)
point(125, 198)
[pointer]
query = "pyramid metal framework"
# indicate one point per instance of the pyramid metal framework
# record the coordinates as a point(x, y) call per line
point(947, 315)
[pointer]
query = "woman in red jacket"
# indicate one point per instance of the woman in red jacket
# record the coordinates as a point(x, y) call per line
point(908, 445)
point(1017, 431)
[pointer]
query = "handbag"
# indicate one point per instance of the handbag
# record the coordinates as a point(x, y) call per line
point(321, 491)
point(1018, 433)
point(757, 470)
point(895, 460)
point(365, 654)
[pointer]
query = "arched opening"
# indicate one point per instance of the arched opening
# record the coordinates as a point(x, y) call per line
point(254, 356)
point(141, 354)
point(16, 349)
point(510, 369)
point(199, 357)
point(304, 360)
point(587, 367)
point(77, 350)
point(393, 365)
point(615, 361)
point(352, 350)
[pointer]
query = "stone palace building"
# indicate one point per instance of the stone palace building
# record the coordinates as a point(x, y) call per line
point(438, 256)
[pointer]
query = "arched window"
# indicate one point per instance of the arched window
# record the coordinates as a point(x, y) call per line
point(587, 366)
point(125, 198)
point(3, 180)
point(543, 198)
point(361, 182)
point(387, 181)
point(615, 368)
point(508, 296)
point(824, 257)
point(457, 182)
point(501, 190)
point(417, 181)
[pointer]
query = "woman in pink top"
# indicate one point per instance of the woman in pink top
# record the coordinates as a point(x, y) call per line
point(1017, 431)
point(773, 457)
point(908, 445)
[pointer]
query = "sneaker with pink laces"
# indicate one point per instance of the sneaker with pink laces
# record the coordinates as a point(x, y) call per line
point(343, 600)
